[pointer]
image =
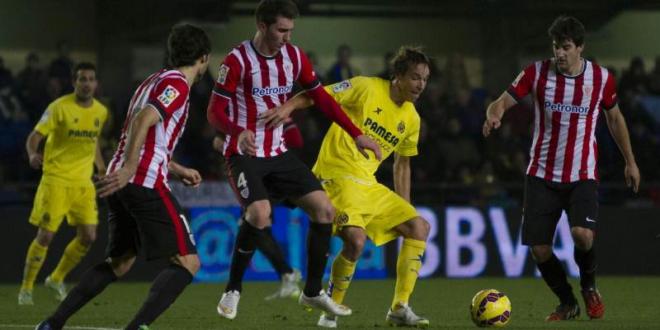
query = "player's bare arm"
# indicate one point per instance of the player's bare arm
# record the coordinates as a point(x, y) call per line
point(617, 125)
point(401, 175)
point(189, 176)
point(276, 116)
point(98, 160)
point(118, 179)
point(495, 112)
point(32, 146)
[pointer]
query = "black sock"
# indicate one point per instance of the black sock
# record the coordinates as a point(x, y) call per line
point(246, 243)
point(555, 276)
point(167, 286)
point(586, 260)
point(269, 247)
point(92, 282)
point(318, 246)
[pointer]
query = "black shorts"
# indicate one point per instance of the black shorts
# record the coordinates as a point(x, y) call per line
point(280, 178)
point(147, 219)
point(544, 201)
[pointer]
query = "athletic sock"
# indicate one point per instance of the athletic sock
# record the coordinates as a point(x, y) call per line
point(318, 245)
point(73, 253)
point(586, 261)
point(36, 254)
point(340, 278)
point(407, 270)
point(269, 247)
point(555, 276)
point(246, 243)
point(167, 286)
point(92, 283)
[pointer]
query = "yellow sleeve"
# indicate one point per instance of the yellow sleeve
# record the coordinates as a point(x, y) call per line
point(48, 120)
point(408, 147)
point(348, 92)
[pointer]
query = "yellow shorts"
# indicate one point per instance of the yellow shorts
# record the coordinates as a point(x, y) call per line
point(53, 202)
point(368, 205)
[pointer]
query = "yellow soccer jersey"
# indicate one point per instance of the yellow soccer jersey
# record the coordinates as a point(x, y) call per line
point(71, 133)
point(367, 102)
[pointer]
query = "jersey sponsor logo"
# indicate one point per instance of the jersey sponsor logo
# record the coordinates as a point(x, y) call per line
point(517, 80)
point(222, 74)
point(168, 95)
point(83, 133)
point(381, 131)
point(566, 108)
point(341, 86)
point(276, 90)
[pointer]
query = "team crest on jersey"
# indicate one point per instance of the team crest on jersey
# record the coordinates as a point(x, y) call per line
point(586, 90)
point(341, 86)
point(341, 219)
point(168, 95)
point(401, 127)
point(222, 74)
point(517, 80)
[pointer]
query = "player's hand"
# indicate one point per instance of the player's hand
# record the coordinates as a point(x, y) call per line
point(631, 173)
point(190, 177)
point(109, 184)
point(246, 143)
point(364, 142)
point(36, 160)
point(276, 116)
point(491, 123)
point(218, 143)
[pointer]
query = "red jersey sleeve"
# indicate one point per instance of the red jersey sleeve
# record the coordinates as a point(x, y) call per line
point(307, 78)
point(523, 83)
point(169, 95)
point(609, 99)
point(229, 76)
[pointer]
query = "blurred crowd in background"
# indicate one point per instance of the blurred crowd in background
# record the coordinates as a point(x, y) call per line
point(452, 150)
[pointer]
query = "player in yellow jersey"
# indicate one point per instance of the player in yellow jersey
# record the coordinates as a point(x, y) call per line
point(384, 110)
point(71, 126)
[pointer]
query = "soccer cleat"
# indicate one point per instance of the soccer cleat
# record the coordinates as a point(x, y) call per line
point(289, 287)
point(228, 304)
point(143, 327)
point(564, 312)
point(593, 303)
point(25, 298)
point(44, 325)
point(59, 288)
point(324, 303)
point(327, 321)
point(404, 316)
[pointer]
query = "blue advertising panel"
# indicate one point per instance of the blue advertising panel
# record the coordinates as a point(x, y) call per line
point(215, 228)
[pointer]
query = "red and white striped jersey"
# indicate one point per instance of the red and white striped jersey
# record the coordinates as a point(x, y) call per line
point(254, 83)
point(166, 91)
point(566, 111)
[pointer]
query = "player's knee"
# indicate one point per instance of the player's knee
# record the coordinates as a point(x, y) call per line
point(44, 237)
point(121, 265)
point(190, 262)
point(325, 212)
point(422, 228)
point(582, 237)
point(88, 238)
point(541, 253)
point(259, 217)
point(354, 241)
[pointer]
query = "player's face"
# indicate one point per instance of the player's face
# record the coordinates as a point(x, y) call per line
point(85, 84)
point(412, 84)
point(567, 55)
point(278, 33)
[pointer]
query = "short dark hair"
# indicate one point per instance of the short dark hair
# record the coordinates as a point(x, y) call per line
point(566, 28)
point(82, 66)
point(268, 10)
point(406, 57)
point(186, 44)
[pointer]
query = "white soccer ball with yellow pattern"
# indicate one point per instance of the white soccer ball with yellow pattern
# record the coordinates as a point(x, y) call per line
point(490, 308)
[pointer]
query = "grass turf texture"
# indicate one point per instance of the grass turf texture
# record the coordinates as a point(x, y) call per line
point(631, 303)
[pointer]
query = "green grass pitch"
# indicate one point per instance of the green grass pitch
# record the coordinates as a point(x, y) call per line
point(631, 303)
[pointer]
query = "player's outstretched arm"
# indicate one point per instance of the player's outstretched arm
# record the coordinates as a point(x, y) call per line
point(617, 126)
point(189, 176)
point(402, 176)
point(137, 133)
point(32, 146)
point(276, 116)
point(495, 112)
point(98, 160)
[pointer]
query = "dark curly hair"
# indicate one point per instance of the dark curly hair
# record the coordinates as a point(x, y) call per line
point(186, 44)
point(268, 10)
point(566, 28)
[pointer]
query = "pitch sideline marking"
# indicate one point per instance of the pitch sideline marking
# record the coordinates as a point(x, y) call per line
point(67, 327)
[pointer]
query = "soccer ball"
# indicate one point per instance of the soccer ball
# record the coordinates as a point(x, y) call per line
point(490, 308)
